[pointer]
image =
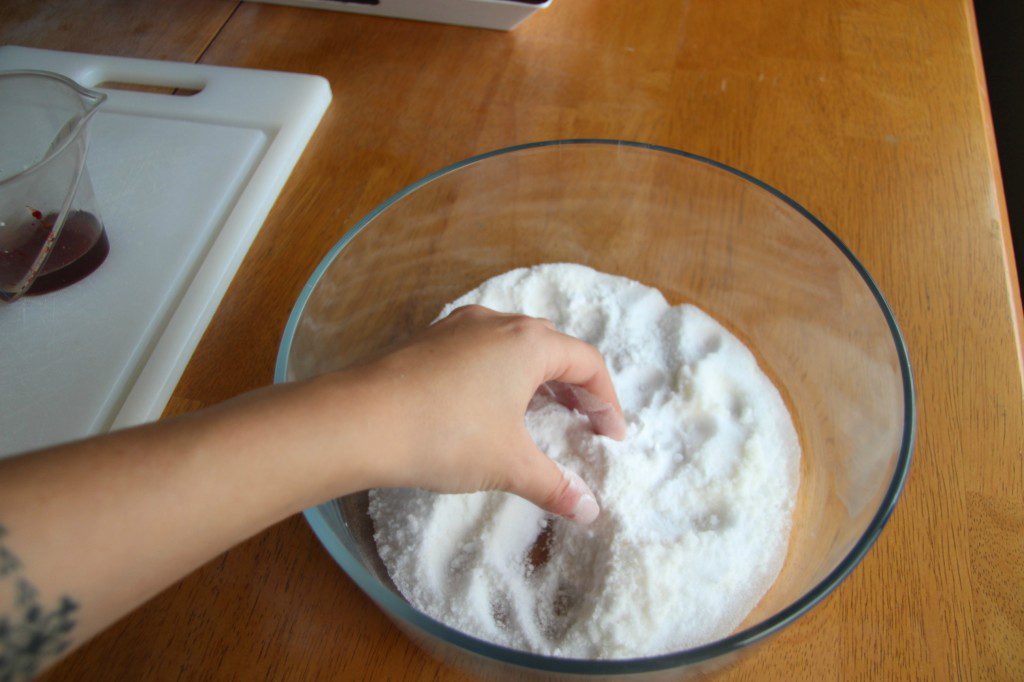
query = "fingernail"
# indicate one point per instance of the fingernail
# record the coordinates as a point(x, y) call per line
point(587, 401)
point(604, 418)
point(608, 422)
point(585, 509)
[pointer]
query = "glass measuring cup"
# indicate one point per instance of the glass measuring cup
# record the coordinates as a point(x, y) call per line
point(51, 234)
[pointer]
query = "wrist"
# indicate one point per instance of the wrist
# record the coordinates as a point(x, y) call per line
point(357, 434)
point(285, 447)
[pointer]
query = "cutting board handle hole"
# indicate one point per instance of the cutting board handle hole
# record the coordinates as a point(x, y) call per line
point(154, 89)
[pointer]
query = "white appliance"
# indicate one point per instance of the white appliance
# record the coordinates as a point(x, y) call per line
point(503, 15)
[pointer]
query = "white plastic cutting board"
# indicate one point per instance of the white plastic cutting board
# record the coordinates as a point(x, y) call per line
point(183, 184)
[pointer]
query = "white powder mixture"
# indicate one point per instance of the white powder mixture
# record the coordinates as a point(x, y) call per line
point(696, 502)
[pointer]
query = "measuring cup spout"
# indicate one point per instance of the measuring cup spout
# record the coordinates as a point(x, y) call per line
point(91, 100)
point(77, 123)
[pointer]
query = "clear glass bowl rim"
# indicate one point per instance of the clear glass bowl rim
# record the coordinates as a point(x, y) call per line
point(402, 610)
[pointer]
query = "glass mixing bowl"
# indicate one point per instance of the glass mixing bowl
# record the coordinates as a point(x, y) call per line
point(700, 232)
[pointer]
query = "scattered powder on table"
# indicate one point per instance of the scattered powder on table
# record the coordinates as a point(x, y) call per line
point(696, 502)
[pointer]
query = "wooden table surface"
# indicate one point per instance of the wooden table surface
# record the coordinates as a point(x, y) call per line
point(871, 113)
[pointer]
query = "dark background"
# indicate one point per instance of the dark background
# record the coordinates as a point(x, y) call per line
point(1001, 29)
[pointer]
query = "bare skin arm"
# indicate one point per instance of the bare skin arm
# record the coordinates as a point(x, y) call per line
point(90, 530)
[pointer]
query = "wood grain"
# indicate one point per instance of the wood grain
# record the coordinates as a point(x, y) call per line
point(178, 30)
point(870, 113)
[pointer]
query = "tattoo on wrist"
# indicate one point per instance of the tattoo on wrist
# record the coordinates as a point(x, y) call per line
point(30, 635)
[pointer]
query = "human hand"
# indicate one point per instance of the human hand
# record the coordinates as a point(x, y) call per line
point(451, 404)
point(141, 507)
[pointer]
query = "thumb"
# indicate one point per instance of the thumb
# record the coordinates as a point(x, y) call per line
point(554, 488)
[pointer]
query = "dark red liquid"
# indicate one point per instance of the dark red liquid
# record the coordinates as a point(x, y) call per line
point(81, 248)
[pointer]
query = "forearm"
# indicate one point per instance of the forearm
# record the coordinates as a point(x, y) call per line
point(94, 528)
point(107, 523)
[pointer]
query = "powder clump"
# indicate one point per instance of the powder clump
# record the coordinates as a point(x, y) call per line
point(696, 502)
